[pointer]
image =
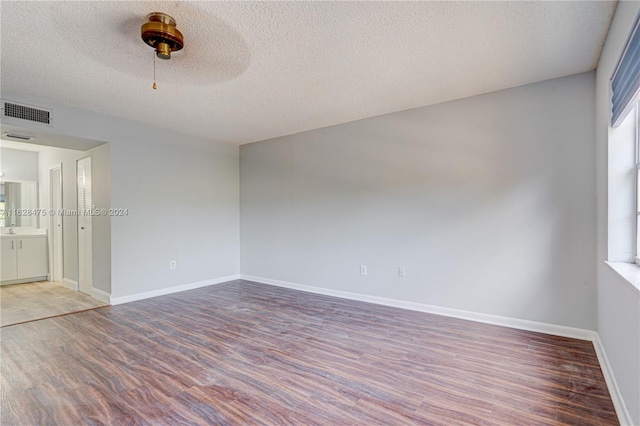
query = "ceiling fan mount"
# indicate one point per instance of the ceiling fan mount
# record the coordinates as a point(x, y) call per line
point(159, 31)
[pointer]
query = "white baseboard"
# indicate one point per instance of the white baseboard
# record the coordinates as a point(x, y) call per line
point(170, 290)
point(24, 280)
point(101, 295)
point(70, 284)
point(558, 330)
point(624, 417)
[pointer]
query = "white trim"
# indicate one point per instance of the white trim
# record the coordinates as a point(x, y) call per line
point(630, 272)
point(101, 295)
point(24, 280)
point(635, 181)
point(624, 417)
point(170, 290)
point(540, 327)
point(70, 284)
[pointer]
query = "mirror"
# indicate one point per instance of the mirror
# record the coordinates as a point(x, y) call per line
point(20, 196)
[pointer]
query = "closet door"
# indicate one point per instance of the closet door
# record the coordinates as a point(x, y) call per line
point(85, 266)
point(56, 223)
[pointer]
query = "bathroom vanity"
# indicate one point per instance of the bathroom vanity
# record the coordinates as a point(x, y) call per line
point(24, 256)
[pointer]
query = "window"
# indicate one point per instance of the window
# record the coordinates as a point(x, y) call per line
point(637, 182)
point(625, 81)
point(624, 153)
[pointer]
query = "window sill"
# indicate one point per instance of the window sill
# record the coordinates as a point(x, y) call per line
point(629, 271)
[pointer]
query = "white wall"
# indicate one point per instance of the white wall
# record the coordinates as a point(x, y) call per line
point(489, 203)
point(618, 302)
point(181, 193)
point(18, 165)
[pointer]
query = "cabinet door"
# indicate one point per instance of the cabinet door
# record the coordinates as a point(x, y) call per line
point(9, 270)
point(32, 257)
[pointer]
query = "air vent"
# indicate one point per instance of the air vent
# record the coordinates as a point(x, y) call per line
point(24, 112)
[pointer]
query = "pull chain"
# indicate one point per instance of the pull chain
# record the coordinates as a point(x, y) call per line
point(154, 71)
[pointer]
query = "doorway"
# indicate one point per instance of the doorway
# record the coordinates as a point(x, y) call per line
point(40, 259)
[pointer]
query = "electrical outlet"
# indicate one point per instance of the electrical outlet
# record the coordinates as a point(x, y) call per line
point(363, 269)
point(402, 271)
point(173, 265)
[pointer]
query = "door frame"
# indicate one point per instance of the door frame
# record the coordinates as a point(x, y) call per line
point(56, 271)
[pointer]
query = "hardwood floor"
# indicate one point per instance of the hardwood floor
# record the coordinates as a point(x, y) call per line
point(246, 353)
point(28, 302)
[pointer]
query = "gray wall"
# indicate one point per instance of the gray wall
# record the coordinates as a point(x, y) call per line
point(18, 165)
point(181, 193)
point(618, 303)
point(183, 206)
point(101, 225)
point(489, 203)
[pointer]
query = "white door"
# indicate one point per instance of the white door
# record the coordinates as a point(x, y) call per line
point(85, 266)
point(56, 225)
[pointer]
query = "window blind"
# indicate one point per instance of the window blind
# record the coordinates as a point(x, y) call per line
point(625, 82)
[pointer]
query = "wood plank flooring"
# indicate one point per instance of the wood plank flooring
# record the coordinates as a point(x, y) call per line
point(244, 353)
point(32, 301)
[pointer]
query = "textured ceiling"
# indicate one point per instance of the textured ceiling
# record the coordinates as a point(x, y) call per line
point(257, 70)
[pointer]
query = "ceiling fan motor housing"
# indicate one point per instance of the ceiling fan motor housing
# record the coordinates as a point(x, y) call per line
point(159, 31)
